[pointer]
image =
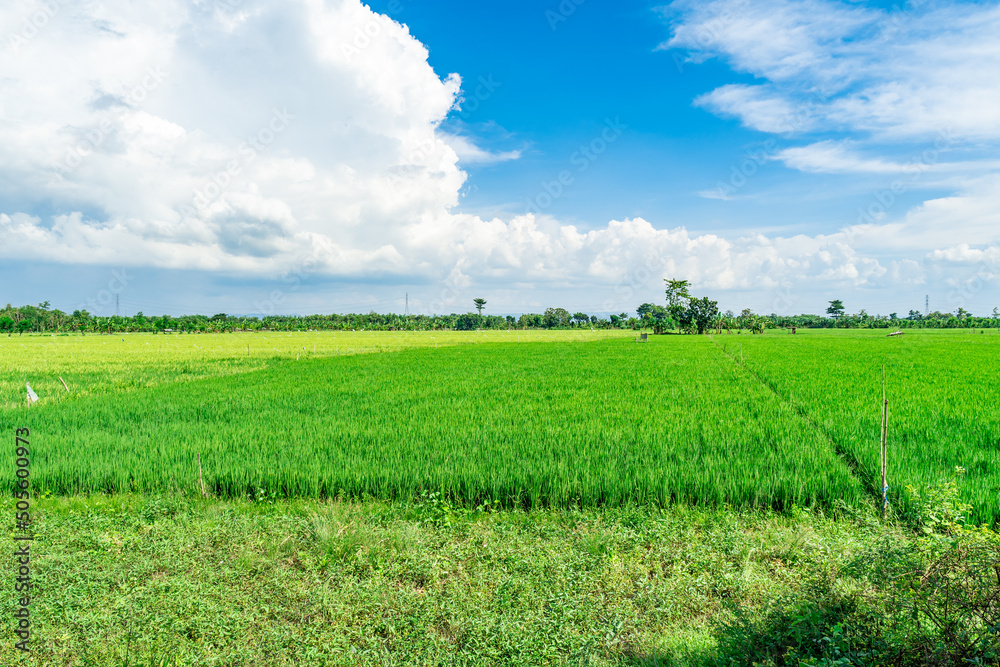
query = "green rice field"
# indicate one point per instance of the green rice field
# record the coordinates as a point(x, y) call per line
point(97, 364)
point(525, 419)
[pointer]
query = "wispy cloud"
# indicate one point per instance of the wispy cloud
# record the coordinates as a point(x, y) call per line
point(717, 193)
point(469, 153)
point(834, 65)
point(837, 157)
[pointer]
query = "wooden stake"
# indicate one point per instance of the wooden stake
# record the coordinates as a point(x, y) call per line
point(200, 480)
point(884, 447)
point(64, 383)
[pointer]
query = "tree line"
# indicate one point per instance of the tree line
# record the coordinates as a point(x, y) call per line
point(687, 313)
point(44, 319)
point(682, 312)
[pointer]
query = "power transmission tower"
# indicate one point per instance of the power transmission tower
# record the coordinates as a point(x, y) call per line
point(927, 305)
point(407, 304)
point(118, 311)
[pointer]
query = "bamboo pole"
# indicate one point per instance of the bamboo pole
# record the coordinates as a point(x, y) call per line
point(884, 447)
point(200, 479)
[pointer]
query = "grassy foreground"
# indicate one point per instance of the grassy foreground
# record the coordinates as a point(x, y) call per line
point(132, 580)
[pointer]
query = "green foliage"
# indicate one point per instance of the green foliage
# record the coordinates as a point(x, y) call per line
point(164, 507)
point(817, 628)
point(645, 309)
point(167, 580)
point(938, 509)
point(468, 322)
point(700, 315)
point(690, 313)
point(656, 317)
point(904, 600)
point(555, 317)
point(42, 320)
point(677, 297)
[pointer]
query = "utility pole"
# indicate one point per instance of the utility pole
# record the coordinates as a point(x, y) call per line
point(927, 305)
point(117, 309)
point(407, 304)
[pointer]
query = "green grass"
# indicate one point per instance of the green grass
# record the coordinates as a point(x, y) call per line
point(133, 580)
point(547, 424)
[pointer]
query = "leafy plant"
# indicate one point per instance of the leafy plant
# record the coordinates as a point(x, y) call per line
point(938, 510)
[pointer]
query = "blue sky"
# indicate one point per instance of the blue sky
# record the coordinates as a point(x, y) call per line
point(556, 78)
point(777, 154)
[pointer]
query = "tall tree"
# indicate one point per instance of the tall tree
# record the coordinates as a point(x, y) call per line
point(555, 317)
point(643, 309)
point(467, 322)
point(836, 309)
point(701, 314)
point(677, 291)
point(480, 304)
point(677, 298)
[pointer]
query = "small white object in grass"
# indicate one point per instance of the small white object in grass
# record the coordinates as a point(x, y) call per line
point(32, 396)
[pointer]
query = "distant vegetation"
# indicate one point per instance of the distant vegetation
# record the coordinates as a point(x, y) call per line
point(685, 314)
